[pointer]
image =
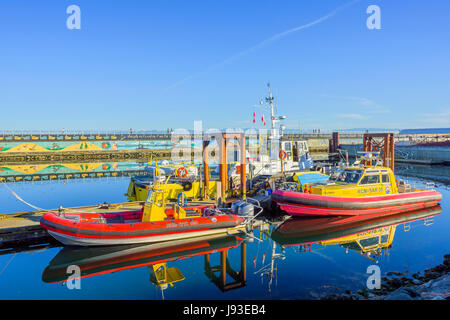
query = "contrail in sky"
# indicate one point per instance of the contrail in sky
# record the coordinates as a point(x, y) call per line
point(263, 43)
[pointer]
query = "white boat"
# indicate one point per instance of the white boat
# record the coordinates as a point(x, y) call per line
point(281, 155)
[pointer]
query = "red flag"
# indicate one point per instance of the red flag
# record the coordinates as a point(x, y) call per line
point(262, 119)
point(254, 117)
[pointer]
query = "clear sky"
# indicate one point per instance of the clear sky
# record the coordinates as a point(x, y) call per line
point(157, 64)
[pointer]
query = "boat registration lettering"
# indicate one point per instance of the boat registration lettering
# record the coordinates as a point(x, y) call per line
point(370, 190)
point(181, 224)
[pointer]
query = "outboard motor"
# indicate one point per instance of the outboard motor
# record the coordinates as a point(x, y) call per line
point(235, 205)
point(243, 208)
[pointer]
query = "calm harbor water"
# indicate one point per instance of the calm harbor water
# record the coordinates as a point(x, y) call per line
point(332, 264)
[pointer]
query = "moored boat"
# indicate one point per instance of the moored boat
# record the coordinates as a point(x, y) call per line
point(356, 190)
point(155, 221)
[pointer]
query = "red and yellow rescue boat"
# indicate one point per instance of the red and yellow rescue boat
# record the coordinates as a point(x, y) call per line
point(355, 191)
point(152, 222)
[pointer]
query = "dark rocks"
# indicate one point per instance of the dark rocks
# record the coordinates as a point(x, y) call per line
point(342, 296)
point(438, 288)
point(433, 285)
point(394, 283)
point(399, 294)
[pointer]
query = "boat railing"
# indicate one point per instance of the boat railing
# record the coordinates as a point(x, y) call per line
point(404, 186)
point(429, 185)
point(303, 248)
point(428, 221)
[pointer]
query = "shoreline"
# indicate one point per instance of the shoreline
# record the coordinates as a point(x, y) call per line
point(432, 284)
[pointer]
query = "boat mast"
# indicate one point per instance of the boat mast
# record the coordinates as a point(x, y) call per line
point(273, 133)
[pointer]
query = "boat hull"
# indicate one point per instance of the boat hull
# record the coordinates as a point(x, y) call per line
point(75, 233)
point(70, 240)
point(304, 204)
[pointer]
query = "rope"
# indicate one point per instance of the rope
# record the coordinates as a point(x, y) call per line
point(89, 210)
point(7, 263)
point(20, 199)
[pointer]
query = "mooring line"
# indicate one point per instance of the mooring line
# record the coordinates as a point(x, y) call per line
point(20, 199)
point(7, 263)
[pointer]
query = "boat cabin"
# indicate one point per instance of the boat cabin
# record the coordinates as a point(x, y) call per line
point(157, 208)
point(368, 243)
point(357, 182)
point(295, 149)
point(164, 277)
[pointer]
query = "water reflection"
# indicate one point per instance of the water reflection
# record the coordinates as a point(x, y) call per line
point(69, 170)
point(437, 173)
point(94, 261)
point(368, 237)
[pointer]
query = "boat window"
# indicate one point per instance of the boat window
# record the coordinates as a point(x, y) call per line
point(334, 175)
point(287, 146)
point(131, 192)
point(159, 198)
point(384, 238)
point(385, 178)
point(369, 242)
point(149, 197)
point(160, 274)
point(370, 179)
point(347, 176)
point(351, 245)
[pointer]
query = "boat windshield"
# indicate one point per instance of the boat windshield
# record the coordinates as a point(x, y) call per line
point(347, 176)
point(149, 199)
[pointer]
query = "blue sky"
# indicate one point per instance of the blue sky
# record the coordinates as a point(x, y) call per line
point(160, 64)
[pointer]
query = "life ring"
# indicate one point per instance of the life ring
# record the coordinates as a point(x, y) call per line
point(187, 186)
point(182, 172)
point(283, 154)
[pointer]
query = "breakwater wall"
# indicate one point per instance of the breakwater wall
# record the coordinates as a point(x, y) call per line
point(47, 147)
point(41, 143)
point(410, 154)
